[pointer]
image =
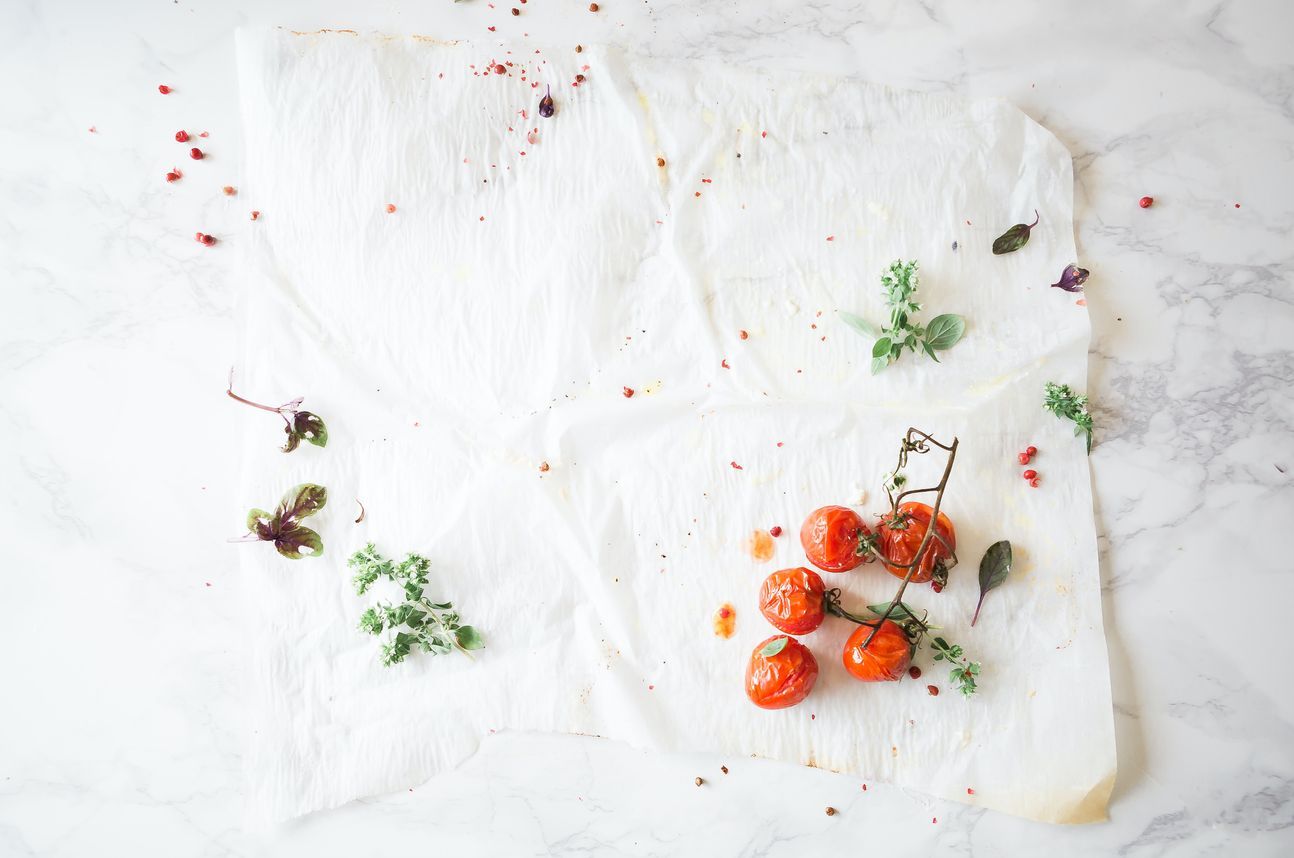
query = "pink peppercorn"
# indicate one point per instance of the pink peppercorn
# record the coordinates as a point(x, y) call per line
point(164, 89)
point(1034, 482)
point(1023, 458)
point(181, 136)
point(1146, 202)
point(1031, 451)
point(775, 531)
point(628, 392)
point(1030, 474)
point(196, 154)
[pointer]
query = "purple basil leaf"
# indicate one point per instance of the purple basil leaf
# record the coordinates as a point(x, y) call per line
point(261, 523)
point(546, 104)
point(297, 542)
point(1014, 238)
point(293, 441)
point(301, 501)
point(1072, 279)
point(311, 428)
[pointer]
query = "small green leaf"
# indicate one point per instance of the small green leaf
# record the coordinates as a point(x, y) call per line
point(858, 323)
point(944, 331)
point(881, 348)
point(773, 647)
point(311, 428)
point(469, 638)
point(297, 542)
point(900, 613)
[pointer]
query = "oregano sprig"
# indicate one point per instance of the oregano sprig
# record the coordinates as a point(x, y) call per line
point(900, 283)
point(1060, 400)
point(432, 627)
point(301, 425)
point(283, 526)
point(964, 672)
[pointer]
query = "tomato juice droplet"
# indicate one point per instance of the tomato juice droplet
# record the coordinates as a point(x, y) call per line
point(760, 545)
point(725, 621)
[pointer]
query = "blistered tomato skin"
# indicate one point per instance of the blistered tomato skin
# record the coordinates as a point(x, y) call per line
point(899, 545)
point(783, 680)
point(830, 536)
point(793, 600)
point(885, 659)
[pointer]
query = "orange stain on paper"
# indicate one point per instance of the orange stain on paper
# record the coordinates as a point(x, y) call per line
point(725, 621)
point(760, 545)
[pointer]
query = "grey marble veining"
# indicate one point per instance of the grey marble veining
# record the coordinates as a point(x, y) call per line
point(119, 625)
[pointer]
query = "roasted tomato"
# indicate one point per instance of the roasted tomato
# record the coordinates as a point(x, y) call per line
point(781, 673)
point(899, 541)
point(885, 659)
point(831, 537)
point(793, 600)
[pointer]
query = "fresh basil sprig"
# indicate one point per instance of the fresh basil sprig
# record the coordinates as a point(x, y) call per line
point(1014, 238)
point(993, 570)
point(300, 425)
point(900, 284)
point(283, 526)
point(432, 627)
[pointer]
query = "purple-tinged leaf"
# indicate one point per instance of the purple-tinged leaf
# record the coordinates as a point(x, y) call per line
point(1072, 279)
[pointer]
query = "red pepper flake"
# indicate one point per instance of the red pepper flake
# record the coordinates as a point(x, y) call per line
point(970, 791)
point(205, 239)
point(736, 467)
point(204, 134)
point(515, 11)
point(164, 89)
point(763, 134)
point(175, 175)
point(491, 29)
point(724, 363)
point(579, 78)
point(1146, 202)
point(775, 532)
point(1237, 205)
point(831, 238)
point(933, 689)
point(914, 672)
point(181, 136)
point(229, 190)
point(698, 193)
point(499, 69)
point(628, 392)
point(1029, 474)
point(196, 154)
point(390, 208)
point(707, 181)
point(255, 215)
point(482, 218)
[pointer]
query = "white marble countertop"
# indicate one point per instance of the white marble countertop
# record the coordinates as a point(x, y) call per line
point(119, 622)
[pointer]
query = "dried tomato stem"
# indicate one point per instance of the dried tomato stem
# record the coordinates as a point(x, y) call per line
point(833, 607)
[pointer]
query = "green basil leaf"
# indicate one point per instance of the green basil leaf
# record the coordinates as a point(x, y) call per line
point(311, 428)
point(858, 323)
point(944, 331)
point(774, 646)
point(1014, 238)
point(881, 348)
point(879, 364)
point(301, 501)
point(469, 638)
point(297, 542)
point(900, 613)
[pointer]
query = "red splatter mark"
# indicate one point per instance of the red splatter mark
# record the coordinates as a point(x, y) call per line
point(724, 363)
point(813, 716)
point(831, 238)
point(763, 134)
point(698, 193)
point(779, 443)
point(736, 467)
point(204, 134)
point(1237, 205)
point(94, 130)
point(491, 29)
point(707, 181)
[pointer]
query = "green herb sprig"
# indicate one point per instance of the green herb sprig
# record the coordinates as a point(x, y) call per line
point(432, 627)
point(964, 672)
point(900, 283)
point(1066, 404)
point(283, 526)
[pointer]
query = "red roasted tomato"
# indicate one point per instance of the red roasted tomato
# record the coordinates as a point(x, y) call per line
point(784, 677)
point(831, 537)
point(793, 600)
point(886, 658)
point(900, 544)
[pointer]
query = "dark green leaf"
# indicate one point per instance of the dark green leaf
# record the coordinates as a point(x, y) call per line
point(311, 428)
point(925, 346)
point(1014, 238)
point(944, 331)
point(297, 542)
point(993, 570)
point(881, 348)
point(469, 638)
point(900, 613)
point(858, 323)
point(301, 501)
point(773, 647)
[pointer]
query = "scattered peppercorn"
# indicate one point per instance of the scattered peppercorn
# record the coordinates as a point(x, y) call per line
point(1031, 451)
point(1023, 458)
point(629, 392)
point(164, 89)
point(593, 7)
point(970, 791)
point(1146, 202)
point(499, 69)
point(914, 672)
point(723, 769)
point(579, 49)
point(181, 136)
point(196, 154)
point(229, 190)
point(933, 689)
point(256, 215)
point(203, 238)
point(543, 467)
point(775, 532)
point(516, 11)
point(745, 335)
point(1034, 482)
point(831, 811)
point(1030, 474)
point(699, 781)
point(579, 78)
point(174, 176)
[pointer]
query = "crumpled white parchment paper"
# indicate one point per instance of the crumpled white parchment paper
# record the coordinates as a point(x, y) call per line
point(491, 323)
